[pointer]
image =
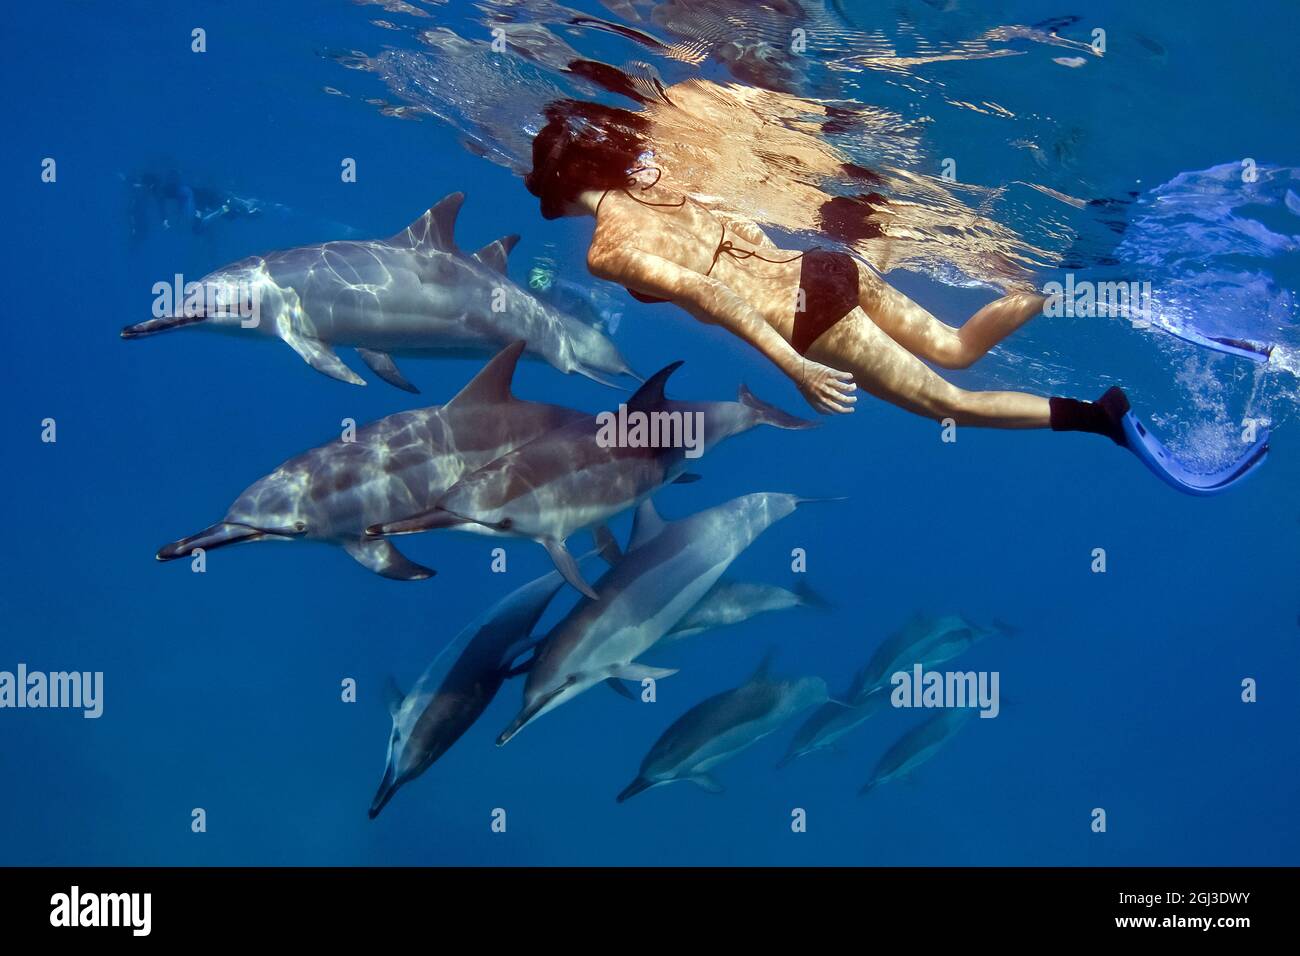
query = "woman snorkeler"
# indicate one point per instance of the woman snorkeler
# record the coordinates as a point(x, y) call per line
point(828, 322)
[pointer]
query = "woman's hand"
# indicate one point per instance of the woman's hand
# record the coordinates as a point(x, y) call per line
point(826, 389)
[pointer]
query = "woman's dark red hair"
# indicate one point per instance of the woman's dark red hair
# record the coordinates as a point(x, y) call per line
point(583, 146)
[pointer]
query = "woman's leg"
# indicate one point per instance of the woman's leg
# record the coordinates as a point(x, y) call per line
point(886, 369)
point(922, 334)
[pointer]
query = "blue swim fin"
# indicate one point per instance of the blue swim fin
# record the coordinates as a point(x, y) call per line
point(1241, 348)
point(1161, 461)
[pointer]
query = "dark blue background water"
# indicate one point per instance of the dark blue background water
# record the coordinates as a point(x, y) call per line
point(222, 689)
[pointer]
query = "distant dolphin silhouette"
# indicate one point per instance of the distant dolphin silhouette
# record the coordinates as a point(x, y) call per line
point(415, 293)
point(720, 727)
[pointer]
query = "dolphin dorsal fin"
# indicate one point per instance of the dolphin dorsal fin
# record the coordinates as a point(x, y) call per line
point(646, 525)
point(493, 255)
point(393, 697)
point(435, 229)
point(764, 666)
point(651, 394)
point(492, 384)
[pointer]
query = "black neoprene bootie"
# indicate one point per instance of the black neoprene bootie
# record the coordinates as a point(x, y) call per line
point(1102, 417)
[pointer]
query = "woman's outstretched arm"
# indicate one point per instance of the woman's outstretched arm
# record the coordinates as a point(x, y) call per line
point(710, 301)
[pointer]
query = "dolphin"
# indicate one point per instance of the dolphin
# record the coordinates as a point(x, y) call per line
point(414, 293)
point(833, 720)
point(429, 719)
point(923, 640)
point(394, 466)
point(572, 478)
point(732, 602)
point(669, 566)
point(916, 747)
point(722, 726)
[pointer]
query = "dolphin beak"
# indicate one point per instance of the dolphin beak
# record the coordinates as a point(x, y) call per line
point(164, 324)
point(430, 520)
point(387, 787)
point(525, 717)
point(517, 725)
point(533, 710)
point(639, 785)
point(215, 536)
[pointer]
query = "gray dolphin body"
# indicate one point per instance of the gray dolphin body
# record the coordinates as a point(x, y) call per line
point(832, 721)
point(571, 479)
point(415, 293)
point(924, 640)
point(429, 719)
point(396, 465)
point(733, 602)
point(917, 746)
point(669, 567)
point(721, 727)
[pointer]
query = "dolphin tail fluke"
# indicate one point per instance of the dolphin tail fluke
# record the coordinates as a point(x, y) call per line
point(1007, 630)
point(808, 597)
point(382, 364)
point(430, 520)
point(568, 567)
point(214, 536)
point(769, 414)
point(639, 785)
point(321, 357)
point(380, 556)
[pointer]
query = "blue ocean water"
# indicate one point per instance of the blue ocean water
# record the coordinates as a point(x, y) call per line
point(1121, 690)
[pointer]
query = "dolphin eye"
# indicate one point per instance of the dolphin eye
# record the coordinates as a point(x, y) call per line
point(300, 525)
point(506, 524)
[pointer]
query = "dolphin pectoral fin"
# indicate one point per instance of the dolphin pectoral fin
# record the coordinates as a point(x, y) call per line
point(382, 364)
point(380, 556)
point(639, 672)
point(607, 545)
point(321, 357)
point(568, 567)
point(618, 687)
point(705, 782)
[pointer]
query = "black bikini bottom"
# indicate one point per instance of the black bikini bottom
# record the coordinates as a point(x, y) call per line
point(828, 287)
